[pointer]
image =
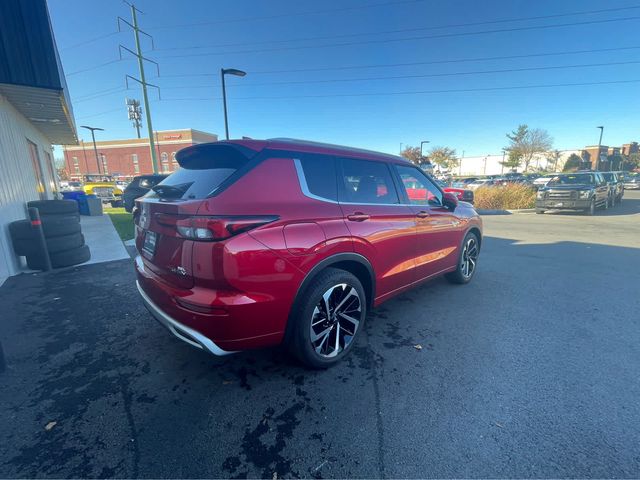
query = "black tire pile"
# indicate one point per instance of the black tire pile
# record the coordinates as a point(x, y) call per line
point(61, 226)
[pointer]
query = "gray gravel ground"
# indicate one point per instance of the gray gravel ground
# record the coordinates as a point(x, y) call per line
point(533, 370)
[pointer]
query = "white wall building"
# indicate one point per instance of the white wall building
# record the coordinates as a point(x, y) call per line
point(490, 164)
point(35, 112)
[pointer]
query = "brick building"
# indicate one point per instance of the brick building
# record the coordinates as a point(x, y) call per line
point(609, 156)
point(128, 158)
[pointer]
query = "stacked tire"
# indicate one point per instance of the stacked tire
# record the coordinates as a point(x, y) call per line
point(61, 226)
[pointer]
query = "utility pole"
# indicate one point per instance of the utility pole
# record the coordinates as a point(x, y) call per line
point(460, 165)
point(599, 147)
point(142, 80)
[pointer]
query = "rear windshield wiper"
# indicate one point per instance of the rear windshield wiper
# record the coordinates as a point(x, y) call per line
point(171, 191)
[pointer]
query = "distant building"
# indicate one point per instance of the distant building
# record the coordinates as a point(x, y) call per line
point(630, 148)
point(131, 157)
point(35, 112)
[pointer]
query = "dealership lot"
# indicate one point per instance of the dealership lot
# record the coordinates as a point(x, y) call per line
point(530, 371)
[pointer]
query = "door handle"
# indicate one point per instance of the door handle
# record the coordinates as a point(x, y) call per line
point(422, 214)
point(358, 217)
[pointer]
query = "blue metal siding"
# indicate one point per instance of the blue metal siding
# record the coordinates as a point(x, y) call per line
point(27, 50)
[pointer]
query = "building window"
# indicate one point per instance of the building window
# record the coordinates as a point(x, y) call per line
point(136, 165)
point(53, 184)
point(103, 161)
point(174, 163)
point(164, 158)
point(76, 169)
point(75, 161)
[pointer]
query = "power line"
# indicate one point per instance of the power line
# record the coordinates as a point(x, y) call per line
point(421, 37)
point(93, 97)
point(427, 75)
point(89, 40)
point(411, 64)
point(283, 15)
point(99, 92)
point(110, 62)
point(101, 113)
point(404, 30)
point(415, 92)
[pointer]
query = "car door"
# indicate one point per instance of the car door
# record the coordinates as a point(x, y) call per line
point(438, 230)
point(382, 228)
point(602, 188)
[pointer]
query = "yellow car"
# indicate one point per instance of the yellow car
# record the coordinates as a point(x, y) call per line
point(104, 187)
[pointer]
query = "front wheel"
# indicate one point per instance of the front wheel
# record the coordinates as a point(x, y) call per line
point(467, 261)
point(328, 317)
point(592, 207)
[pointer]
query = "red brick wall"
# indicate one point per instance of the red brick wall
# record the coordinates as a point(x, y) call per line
point(120, 160)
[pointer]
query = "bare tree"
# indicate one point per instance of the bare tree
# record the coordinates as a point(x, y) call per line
point(525, 143)
point(552, 159)
point(444, 157)
point(412, 154)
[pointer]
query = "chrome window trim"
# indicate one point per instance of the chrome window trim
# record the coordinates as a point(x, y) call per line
point(302, 180)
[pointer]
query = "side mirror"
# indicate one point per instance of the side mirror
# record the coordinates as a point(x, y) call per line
point(450, 201)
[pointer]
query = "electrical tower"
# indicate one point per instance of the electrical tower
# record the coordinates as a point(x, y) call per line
point(135, 113)
point(141, 80)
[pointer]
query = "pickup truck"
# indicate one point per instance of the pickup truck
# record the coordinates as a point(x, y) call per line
point(574, 191)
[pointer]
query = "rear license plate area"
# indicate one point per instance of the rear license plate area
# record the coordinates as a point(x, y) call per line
point(150, 242)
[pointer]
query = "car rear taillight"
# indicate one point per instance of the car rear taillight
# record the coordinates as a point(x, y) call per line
point(212, 228)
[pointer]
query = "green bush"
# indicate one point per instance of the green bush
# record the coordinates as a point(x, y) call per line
point(508, 197)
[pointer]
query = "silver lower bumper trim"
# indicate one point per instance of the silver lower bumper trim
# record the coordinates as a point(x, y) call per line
point(183, 332)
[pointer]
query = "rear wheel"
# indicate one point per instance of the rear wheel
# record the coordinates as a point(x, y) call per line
point(467, 261)
point(329, 315)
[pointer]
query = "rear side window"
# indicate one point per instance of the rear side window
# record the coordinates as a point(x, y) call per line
point(203, 168)
point(319, 175)
point(364, 181)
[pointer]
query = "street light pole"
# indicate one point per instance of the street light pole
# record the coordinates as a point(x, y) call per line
point(421, 144)
point(93, 137)
point(599, 146)
point(223, 72)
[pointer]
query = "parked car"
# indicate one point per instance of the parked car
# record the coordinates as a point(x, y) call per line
point(462, 194)
point(574, 191)
point(616, 187)
point(463, 182)
point(104, 187)
point(258, 243)
point(138, 187)
point(631, 181)
point(482, 182)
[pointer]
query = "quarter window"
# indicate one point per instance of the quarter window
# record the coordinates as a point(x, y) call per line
point(320, 176)
point(365, 181)
point(419, 188)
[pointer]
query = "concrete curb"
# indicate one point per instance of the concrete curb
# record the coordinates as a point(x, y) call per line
point(505, 212)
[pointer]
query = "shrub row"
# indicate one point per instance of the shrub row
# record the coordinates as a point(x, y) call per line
point(508, 197)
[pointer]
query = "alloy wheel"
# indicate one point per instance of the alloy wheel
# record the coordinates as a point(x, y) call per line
point(335, 320)
point(469, 259)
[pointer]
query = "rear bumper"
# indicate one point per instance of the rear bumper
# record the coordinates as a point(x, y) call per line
point(181, 331)
point(563, 204)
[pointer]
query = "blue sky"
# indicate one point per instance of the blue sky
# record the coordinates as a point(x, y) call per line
point(196, 38)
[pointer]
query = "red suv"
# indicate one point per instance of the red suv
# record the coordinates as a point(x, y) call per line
point(257, 243)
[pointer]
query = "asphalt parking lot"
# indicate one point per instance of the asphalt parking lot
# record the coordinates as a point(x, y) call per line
point(533, 370)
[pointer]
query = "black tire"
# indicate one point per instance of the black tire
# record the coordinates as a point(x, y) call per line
point(539, 211)
point(53, 227)
point(350, 299)
point(61, 259)
point(592, 208)
point(461, 274)
point(54, 245)
point(55, 207)
point(61, 226)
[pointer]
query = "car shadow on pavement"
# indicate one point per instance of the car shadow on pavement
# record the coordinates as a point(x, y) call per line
point(524, 377)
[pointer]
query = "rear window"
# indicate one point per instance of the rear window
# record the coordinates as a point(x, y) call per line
point(203, 169)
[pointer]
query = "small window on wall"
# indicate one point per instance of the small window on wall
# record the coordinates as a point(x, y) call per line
point(37, 170)
point(164, 158)
point(174, 162)
point(103, 160)
point(75, 161)
point(136, 165)
point(76, 168)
